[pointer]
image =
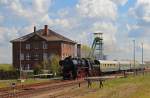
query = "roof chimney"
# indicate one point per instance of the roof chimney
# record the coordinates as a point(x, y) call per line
point(34, 29)
point(46, 30)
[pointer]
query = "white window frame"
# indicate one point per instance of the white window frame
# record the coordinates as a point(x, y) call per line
point(28, 46)
point(27, 56)
point(44, 45)
point(36, 56)
point(21, 56)
point(28, 66)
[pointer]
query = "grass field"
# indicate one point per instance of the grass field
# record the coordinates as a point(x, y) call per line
point(131, 87)
point(7, 83)
point(6, 67)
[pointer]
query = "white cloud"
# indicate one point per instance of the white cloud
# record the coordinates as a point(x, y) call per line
point(41, 6)
point(6, 54)
point(63, 12)
point(34, 13)
point(145, 6)
point(141, 10)
point(141, 13)
point(104, 9)
point(120, 2)
point(109, 34)
point(7, 33)
point(1, 18)
point(62, 22)
point(82, 37)
point(146, 46)
point(3, 1)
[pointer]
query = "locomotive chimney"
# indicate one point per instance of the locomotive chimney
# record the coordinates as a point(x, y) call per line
point(46, 30)
point(79, 50)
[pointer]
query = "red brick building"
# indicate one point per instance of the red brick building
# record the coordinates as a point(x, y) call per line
point(33, 48)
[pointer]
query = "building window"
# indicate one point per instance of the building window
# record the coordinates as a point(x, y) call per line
point(45, 56)
point(36, 45)
point(21, 56)
point(27, 56)
point(27, 46)
point(28, 66)
point(21, 67)
point(63, 45)
point(44, 45)
point(36, 57)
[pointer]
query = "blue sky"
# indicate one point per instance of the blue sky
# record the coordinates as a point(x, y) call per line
point(120, 21)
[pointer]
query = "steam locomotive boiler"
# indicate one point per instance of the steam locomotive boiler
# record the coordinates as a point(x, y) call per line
point(73, 68)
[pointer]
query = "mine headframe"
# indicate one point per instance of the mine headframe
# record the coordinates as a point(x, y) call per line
point(97, 47)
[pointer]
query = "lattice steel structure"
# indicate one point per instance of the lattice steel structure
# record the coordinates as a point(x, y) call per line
point(97, 47)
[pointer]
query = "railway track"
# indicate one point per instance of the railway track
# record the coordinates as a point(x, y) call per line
point(31, 90)
point(22, 87)
point(27, 92)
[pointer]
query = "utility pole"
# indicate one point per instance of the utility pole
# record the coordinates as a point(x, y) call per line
point(20, 61)
point(142, 59)
point(142, 54)
point(134, 54)
point(20, 66)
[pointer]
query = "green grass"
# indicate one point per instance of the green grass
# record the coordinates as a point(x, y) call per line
point(6, 67)
point(7, 83)
point(130, 87)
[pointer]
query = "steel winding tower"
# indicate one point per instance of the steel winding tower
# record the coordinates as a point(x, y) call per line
point(97, 47)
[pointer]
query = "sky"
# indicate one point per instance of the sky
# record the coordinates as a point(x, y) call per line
point(120, 21)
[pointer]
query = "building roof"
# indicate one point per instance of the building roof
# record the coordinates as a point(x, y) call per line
point(51, 36)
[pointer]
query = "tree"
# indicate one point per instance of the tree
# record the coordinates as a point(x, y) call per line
point(54, 65)
point(37, 69)
point(45, 65)
point(85, 51)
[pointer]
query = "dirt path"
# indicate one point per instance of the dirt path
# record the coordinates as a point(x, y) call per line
point(57, 93)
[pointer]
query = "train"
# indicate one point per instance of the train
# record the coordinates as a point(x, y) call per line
point(75, 68)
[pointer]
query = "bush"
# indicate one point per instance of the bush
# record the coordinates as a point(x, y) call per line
point(37, 69)
point(12, 74)
point(54, 65)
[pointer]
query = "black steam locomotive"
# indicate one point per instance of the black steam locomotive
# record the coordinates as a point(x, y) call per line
point(73, 68)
